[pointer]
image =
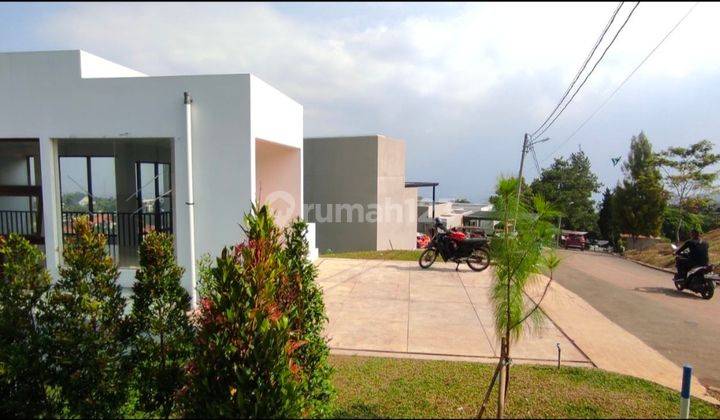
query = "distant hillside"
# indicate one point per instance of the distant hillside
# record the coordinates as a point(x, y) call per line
point(661, 255)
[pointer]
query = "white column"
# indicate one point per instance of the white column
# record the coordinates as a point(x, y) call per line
point(51, 204)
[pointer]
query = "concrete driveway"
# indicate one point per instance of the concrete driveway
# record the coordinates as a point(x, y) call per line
point(394, 308)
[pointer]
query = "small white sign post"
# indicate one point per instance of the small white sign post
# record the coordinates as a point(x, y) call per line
point(685, 393)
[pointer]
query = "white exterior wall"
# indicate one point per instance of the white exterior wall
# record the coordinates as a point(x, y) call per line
point(44, 96)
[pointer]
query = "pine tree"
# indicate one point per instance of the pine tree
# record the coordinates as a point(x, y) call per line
point(640, 199)
point(606, 223)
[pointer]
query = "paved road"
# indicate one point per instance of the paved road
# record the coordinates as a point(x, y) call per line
point(680, 325)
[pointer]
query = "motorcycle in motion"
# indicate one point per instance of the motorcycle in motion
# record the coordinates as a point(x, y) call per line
point(456, 247)
point(698, 279)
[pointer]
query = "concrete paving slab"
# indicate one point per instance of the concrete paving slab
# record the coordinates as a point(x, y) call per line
point(397, 308)
point(446, 328)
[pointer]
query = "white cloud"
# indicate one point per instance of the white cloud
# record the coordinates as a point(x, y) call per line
point(472, 79)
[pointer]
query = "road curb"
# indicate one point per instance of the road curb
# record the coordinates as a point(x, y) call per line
point(644, 264)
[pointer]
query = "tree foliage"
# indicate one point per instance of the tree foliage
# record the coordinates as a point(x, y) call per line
point(688, 175)
point(162, 334)
point(640, 199)
point(84, 328)
point(568, 184)
point(687, 170)
point(23, 282)
point(606, 223)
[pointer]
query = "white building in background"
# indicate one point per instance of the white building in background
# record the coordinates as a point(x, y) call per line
point(453, 214)
point(202, 148)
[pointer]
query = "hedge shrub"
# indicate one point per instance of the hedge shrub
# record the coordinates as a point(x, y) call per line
point(85, 333)
point(161, 331)
point(23, 282)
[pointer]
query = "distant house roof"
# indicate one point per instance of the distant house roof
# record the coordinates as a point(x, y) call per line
point(484, 215)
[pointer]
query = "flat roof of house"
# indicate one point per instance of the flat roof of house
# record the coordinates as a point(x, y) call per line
point(421, 184)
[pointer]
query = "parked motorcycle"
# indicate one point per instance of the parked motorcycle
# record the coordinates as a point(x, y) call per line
point(457, 247)
point(698, 279)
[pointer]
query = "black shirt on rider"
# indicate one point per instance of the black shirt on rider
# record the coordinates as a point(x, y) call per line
point(697, 251)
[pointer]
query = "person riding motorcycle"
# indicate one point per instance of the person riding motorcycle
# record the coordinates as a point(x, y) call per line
point(697, 254)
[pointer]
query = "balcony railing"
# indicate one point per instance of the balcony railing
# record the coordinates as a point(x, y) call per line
point(22, 222)
point(124, 231)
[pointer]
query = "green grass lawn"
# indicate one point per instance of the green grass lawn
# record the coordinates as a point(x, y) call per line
point(402, 388)
point(397, 255)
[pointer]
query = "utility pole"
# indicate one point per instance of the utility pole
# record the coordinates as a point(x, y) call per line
point(525, 146)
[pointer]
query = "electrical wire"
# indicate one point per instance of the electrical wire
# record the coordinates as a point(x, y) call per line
point(535, 159)
point(612, 41)
point(582, 68)
point(602, 105)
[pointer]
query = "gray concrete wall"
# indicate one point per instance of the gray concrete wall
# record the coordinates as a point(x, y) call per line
point(397, 205)
point(366, 175)
point(341, 171)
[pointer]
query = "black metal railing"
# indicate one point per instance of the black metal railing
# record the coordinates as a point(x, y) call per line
point(124, 231)
point(23, 222)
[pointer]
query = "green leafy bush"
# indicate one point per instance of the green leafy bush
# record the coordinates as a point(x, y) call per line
point(252, 327)
point(84, 329)
point(162, 334)
point(23, 281)
point(310, 319)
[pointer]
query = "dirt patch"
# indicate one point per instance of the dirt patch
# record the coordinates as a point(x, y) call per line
point(661, 255)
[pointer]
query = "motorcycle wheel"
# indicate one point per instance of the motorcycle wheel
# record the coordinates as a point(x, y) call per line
point(427, 258)
point(479, 260)
point(679, 286)
point(708, 291)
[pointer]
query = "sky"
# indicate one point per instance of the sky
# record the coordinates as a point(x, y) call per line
point(460, 83)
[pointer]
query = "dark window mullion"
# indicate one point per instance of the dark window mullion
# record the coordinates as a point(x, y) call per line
point(89, 185)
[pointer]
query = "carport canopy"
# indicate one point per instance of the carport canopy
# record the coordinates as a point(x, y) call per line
point(425, 184)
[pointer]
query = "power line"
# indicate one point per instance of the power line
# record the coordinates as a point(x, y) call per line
point(582, 68)
point(612, 41)
point(602, 105)
point(535, 159)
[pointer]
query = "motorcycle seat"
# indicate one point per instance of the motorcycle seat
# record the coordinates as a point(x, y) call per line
point(474, 241)
point(702, 268)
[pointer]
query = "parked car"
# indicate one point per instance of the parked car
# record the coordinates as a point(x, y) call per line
point(574, 240)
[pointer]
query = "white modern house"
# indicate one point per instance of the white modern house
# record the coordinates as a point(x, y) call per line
point(183, 154)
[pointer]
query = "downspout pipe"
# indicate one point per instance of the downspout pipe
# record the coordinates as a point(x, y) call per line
point(190, 195)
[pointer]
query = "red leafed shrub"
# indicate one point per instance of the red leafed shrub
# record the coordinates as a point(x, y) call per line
point(253, 328)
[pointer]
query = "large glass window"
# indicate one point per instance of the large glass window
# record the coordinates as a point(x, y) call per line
point(122, 185)
point(102, 176)
point(74, 193)
point(20, 192)
point(153, 179)
point(87, 184)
